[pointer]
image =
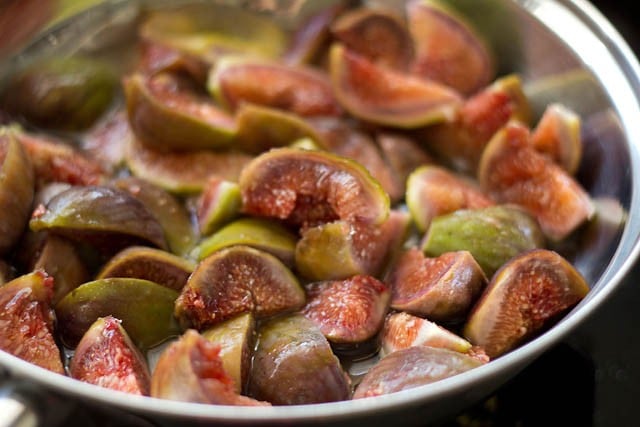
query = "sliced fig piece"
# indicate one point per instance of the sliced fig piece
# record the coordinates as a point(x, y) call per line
point(300, 90)
point(310, 188)
point(156, 58)
point(378, 34)
point(526, 295)
point(460, 143)
point(107, 357)
point(61, 93)
point(441, 288)
point(261, 128)
point(340, 249)
point(140, 262)
point(107, 140)
point(403, 155)
point(28, 321)
point(174, 218)
point(237, 280)
point(512, 171)
point(402, 330)
point(448, 49)
point(558, 135)
point(145, 308)
point(183, 172)
point(293, 364)
point(386, 97)
point(433, 191)
point(235, 338)
point(191, 370)
point(493, 234)
point(348, 311)
point(218, 204)
point(413, 367)
point(265, 235)
point(109, 218)
point(169, 117)
point(16, 189)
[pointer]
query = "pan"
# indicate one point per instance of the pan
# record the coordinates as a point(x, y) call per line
point(565, 50)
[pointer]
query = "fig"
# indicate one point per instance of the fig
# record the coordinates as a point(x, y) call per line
point(156, 58)
point(16, 189)
point(183, 172)
point(348, 311)
point(261, 128)
point(62, 93)
point(460, 143)
point(145, 308)
point(512, 171)
point(310, 188)
point(403, 330)
point(235, 338)
point(442, 288)
point(263, 234)
point(377, 34)
point(168, 116)
point(386, 97)
point(109, 218)
point(106, 357)
point(167, 209)
point(218, 204)
point(558, 135)
point(293, 364)
point(154, 265)
point(107, 140)
point(28, 320)
point(403, 155)
point(191, 370)
point(237, 280)
point(527, 294)
point(447, 47)
point(301, 90)
point(433, 191)
point(340, 249)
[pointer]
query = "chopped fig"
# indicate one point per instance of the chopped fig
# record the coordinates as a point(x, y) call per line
point(109, 218)
point(218, 204)
point(106, 357)
point(310, 188)
point(527, 294)
point(156, 58)
point(340, 249)
point(402, 154)
point(61, 93)
point(558, 135)
point(16, 189)
point(293, 364)
point(386, 97)
point(348, 311)
point(442, 288)
point(235, 338)
point(448, 49)
point(265, 235)
point(168, 210)
point(27, 321)
point(402, 330)
point(145, 308)
point(166, 116)
point(106, 142)
point(433, 191)
point(378, 34)
point(512, 171)
point(151, 264)
point(460, 143)
point(413, 367)
point(300, 90)
point(237, 280)
point(493, 234)
point(184, 172)
point(191, 370)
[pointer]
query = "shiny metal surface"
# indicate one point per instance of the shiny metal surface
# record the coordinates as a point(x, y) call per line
point(552, 39)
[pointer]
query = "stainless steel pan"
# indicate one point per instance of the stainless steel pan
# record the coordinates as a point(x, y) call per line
point(544, 40)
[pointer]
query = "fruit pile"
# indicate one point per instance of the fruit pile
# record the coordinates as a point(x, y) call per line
point(238, 214)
